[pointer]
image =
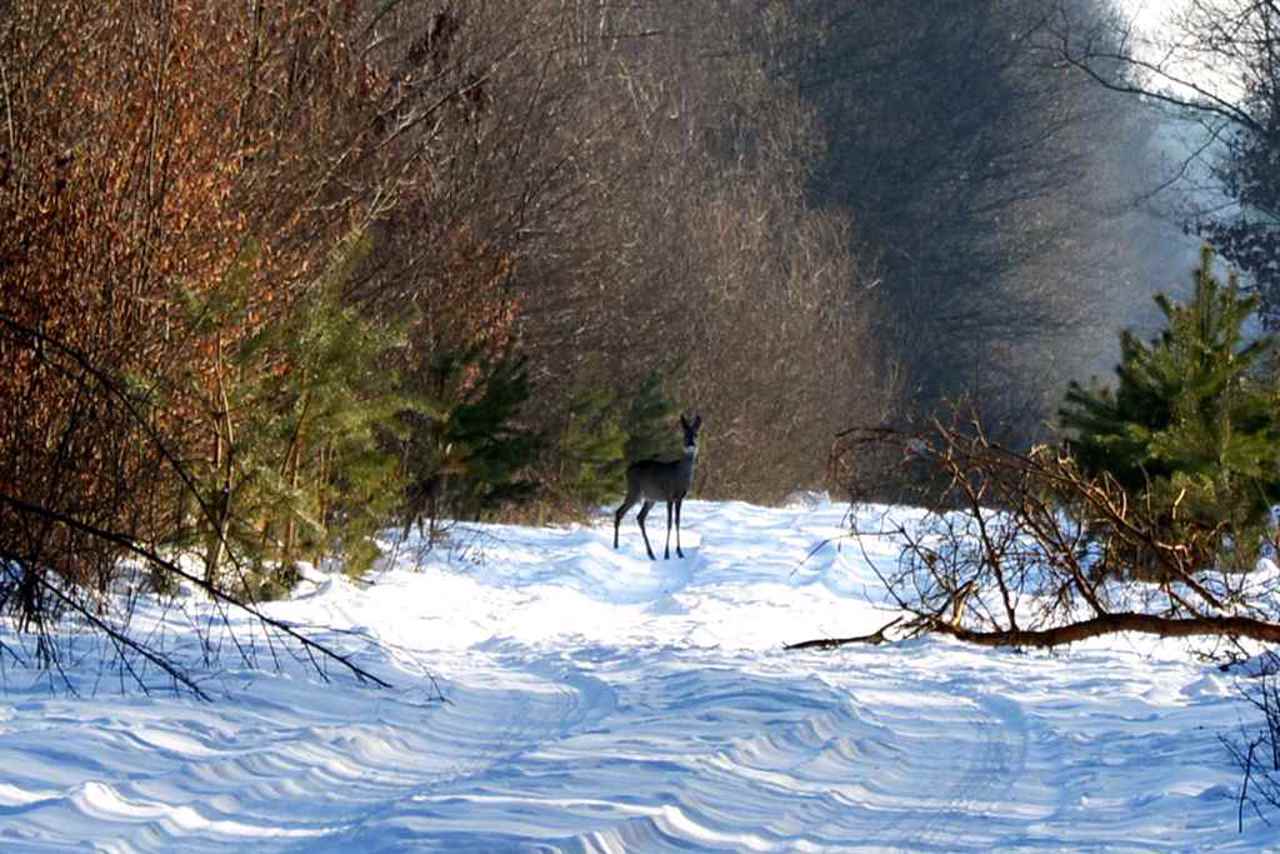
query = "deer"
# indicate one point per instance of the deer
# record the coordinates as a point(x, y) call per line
point(658, 480)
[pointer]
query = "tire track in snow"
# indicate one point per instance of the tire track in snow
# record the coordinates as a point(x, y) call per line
point(655, 752)
point(948, 765)
point(994, 759)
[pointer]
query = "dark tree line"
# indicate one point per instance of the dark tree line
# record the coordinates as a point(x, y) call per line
point(983, 171)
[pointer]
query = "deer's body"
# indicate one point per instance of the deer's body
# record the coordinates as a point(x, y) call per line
point(657, 480)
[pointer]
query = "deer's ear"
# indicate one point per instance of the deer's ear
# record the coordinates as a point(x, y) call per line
point(683, 423)
point(697, 422)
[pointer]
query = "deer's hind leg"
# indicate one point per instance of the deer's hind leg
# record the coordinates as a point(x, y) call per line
point(627, 504)
point(644, 511)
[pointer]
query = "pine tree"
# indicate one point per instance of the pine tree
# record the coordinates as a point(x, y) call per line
point(648, 421)
point(470, 455)
point(311, 411)
point(498, 449)
point(592, 449)
point(1191, 426)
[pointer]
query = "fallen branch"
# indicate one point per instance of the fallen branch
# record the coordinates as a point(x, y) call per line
point(876, 637)
point(1166, 627)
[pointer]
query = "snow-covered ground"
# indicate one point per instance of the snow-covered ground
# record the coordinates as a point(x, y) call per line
point(595, 701)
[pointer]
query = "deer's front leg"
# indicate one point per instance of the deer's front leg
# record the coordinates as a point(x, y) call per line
point(679, 504)
point(666, 550)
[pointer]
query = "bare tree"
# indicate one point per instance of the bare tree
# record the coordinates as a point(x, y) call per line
point(1214, 70)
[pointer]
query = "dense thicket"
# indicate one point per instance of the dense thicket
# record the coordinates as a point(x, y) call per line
point(179, 180)
point(646, 176)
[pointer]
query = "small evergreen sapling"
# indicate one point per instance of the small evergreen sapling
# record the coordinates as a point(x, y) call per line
point(470, 455)
point(1191, 425)
point(499, 450)
point(648, 422)
point(306, 467)
point(591, 449)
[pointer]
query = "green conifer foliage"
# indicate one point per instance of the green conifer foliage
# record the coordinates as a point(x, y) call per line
point(312, 409)
point(471, 456)
point(592, 449)
point(1191, 425)
point(648, 421)
point(498, 450)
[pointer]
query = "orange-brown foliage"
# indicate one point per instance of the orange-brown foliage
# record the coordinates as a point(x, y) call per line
point(145, 147)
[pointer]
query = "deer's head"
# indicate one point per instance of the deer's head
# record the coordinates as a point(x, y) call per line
point(690, 429)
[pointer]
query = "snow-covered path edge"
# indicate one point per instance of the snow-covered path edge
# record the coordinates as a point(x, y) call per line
point(600, 702)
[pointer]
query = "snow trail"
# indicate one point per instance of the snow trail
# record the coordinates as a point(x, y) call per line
point(601, 702)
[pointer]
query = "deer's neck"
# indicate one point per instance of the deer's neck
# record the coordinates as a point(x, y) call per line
point(686, 464)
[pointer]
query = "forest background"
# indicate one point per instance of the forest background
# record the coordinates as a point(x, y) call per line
point(276, 276)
